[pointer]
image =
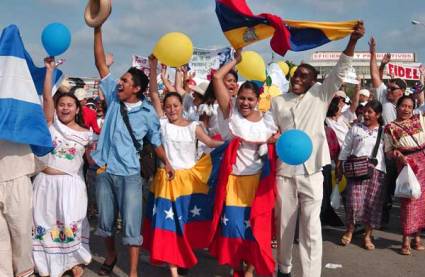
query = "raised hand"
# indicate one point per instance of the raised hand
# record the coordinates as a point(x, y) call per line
point(386, 59)
point(372, 45)
point(358, 32)
point(49, 63)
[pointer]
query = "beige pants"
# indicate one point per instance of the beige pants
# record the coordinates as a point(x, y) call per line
point(300, 195)
point(16, 227)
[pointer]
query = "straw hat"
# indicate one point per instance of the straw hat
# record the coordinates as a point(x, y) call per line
point(97, 11)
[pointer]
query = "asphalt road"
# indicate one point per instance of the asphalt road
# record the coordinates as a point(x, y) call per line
point(384, 261)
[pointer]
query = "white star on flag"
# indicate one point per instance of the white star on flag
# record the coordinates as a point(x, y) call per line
point(247, 224)
point(195, 211)
point(224, 219)
point(169, 214)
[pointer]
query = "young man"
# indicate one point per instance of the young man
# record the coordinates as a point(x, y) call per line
point(300, 188)
point(120, 185)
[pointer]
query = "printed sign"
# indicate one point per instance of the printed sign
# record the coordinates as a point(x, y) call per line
point(403, 72)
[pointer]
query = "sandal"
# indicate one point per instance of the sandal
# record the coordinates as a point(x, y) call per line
point(346, 239)
point(417, 245)
point(106, 269)
point(368, 244)
point(406, 250)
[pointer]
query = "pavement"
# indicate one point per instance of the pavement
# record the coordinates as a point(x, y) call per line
point(352, 260)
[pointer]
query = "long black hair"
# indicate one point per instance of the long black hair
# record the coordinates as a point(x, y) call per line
point(376, 106)
point(333, 107)
point(79, 115)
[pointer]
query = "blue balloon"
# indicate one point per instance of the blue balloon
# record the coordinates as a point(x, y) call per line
point(294, 147)
point(56, 39)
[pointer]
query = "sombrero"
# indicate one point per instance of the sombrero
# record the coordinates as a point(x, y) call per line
point(97, 11)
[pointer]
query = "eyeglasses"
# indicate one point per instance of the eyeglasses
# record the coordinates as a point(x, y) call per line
point(393, 88)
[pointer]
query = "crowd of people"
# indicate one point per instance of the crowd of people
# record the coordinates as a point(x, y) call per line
point(218, 185)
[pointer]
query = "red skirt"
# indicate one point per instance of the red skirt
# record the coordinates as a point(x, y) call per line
point(412, 211)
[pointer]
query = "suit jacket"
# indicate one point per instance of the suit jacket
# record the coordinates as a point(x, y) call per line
point(307, 112)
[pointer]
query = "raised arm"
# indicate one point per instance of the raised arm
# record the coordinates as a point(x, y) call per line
point(165, 81)
point(385, 60)
point(334, 79)
point(153, 86)
point(207, 140)
point(220, 91)
point(356, 97)
point(48, 104)
point(374, 71)
point(99, 53)
point(180, 76)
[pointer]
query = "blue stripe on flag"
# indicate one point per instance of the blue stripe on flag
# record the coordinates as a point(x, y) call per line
point(234, 223)
point(20, 123)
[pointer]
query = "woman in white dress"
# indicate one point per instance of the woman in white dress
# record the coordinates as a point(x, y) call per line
point(178, 211)
point(61, 230)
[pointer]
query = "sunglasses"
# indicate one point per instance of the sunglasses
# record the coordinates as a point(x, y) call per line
point(393, 88)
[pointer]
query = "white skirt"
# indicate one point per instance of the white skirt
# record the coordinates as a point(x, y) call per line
point(60, 227)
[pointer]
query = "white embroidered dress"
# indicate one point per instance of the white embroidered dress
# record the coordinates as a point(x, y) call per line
point(60, 227)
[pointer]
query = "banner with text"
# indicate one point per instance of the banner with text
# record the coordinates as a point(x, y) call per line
point(403, 72)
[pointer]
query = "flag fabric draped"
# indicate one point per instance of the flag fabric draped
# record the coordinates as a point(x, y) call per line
point(242, 221)
point(241, 27)
point(178, 212)
point(21, 115)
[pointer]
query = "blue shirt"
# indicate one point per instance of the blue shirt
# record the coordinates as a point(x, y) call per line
point(115, 147)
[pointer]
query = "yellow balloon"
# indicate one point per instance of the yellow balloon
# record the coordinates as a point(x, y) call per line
point(252, 66)
point(284, 67)
point(292, 71)
point(273, 90)
point(264, 102)
point(174, 49)
point(342, 184)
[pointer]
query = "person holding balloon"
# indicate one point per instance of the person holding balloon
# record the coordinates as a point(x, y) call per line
point(240, 232)
point(365, 197)
point(300, 183)
point(118, 181)
point(61, 229)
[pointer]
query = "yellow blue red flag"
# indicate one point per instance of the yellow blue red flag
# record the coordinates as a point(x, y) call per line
point(241, 27)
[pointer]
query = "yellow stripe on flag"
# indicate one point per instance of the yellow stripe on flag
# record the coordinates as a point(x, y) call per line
point(243, 36)
point(241, 190)
point(332, 30)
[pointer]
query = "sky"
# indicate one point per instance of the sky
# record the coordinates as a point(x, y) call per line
point(135, 25)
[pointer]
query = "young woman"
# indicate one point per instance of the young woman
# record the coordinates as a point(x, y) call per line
point(364, 197)
point(236, 230)
point(405, 143)
point(180, 205)
point(61, 230)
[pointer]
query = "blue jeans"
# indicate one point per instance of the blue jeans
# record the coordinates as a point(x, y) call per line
point(124, 194)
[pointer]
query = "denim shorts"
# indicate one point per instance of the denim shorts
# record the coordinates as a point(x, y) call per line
point(124, 194)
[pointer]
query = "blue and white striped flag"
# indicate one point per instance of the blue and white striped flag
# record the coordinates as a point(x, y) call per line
point(21, 114)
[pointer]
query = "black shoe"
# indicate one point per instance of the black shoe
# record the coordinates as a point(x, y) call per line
point(182, 271)
point(280, 274)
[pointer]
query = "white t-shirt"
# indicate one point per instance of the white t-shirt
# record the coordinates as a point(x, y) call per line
point(389, 113)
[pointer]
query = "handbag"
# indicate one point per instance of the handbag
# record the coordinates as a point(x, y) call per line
point(147, 156)
point(362, 167)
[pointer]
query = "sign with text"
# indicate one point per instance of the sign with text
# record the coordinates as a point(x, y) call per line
point(403, 72)
point(334, 56)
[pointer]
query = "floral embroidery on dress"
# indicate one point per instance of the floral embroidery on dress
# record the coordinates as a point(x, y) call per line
point(64, 234)
point(63, 149)
point(411, 127)
point(39, 232)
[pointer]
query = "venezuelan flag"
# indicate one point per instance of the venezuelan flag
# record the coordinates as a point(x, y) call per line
point(243, 214)
point(179, 212)
point(241, 27)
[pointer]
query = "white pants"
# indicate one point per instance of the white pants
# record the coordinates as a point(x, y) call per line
point(16, 227)
point(300, 195)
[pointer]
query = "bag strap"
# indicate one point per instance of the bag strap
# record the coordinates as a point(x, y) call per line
point(124, 114)
point(377, 143)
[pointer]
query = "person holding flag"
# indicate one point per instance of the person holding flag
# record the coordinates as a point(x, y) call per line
point(300, 188)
